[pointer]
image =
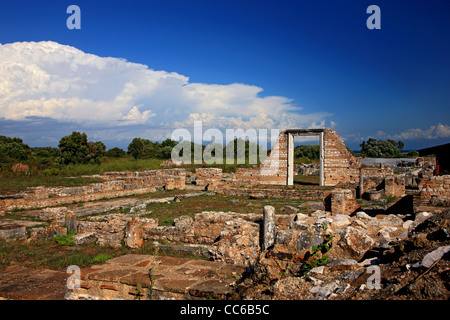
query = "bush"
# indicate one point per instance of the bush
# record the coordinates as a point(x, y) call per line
point(52, 172)
point(412, 154)
point(64, 239)
point(100, 258)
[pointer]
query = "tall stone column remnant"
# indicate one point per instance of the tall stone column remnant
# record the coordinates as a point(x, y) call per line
point(268, 227)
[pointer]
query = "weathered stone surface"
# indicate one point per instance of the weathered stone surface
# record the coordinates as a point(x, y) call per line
point(53, 230)
point(363, 215)
point(268, 227)
point(313, 236)
point(340, 221)
point(134, 235)
point(20, 283)
point(258, 196)
point(12, 232)
point(355, 242)
point(289, 209)
point(84, 238)
point(393, 220)
point(435, 255)
point(325, 291)
point(183, 223)
point(238, 243)
point(70, 221)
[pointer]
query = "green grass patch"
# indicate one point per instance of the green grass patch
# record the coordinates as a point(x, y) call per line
point(64, 239)
point(15, 183)
point(307, 180)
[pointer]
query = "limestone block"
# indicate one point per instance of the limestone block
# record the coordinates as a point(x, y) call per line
point(355, 242)
point(134, 234)
point(268, 226)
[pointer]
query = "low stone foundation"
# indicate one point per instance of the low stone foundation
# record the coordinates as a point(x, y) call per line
point(117, 184)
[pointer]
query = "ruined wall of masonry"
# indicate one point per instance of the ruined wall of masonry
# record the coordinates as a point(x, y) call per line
point(205, 227)
point(342, 201)
point(295, 192)
point(339, 166)
point(435, 190)
point(116, 184)
point(273, 170)
point(394, 186)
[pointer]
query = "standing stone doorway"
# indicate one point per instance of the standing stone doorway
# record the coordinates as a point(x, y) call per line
point(290, 159)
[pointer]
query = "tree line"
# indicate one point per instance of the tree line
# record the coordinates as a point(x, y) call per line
point(77, 149)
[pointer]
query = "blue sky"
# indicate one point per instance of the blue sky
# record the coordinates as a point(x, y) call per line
point(231, 64)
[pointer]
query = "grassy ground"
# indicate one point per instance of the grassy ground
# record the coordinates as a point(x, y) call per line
point(167, 212)
point(15, 183)
point(51, 255)
point(307, 180)
point(57, 254)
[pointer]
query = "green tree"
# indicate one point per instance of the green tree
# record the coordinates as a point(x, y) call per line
point(412, 154)
point(381, 149)
point(96, 151)
point(13, 149)
point(309, 151)
point(250, 153)
point(115, 153)
point(137, 148)
point(75, 149)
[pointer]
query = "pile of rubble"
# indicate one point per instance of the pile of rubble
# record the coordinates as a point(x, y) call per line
point(366, 258)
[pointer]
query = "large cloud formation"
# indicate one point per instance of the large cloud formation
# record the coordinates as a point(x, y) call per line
point(47, 80)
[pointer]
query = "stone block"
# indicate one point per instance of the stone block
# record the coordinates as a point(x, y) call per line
point(313, 236)
point(134, 234)
point(84, 238)
point(355, 242)
point(70, 221)
point(12, 232)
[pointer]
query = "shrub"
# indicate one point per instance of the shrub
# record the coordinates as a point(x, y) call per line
point(64, 239)
point(100, 258)
point(52, 172)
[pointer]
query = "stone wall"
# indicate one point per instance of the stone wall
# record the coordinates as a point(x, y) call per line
point(339, 165)
point(394, 186)
point(435, 190)
point(342, 201)
point(116, 184)
point(285, 192)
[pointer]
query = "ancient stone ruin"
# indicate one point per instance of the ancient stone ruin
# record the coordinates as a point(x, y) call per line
point(357, 217)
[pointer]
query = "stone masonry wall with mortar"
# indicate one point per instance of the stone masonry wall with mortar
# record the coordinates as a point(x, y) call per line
point(339, 165)
point(435, 190)
point(116, 184)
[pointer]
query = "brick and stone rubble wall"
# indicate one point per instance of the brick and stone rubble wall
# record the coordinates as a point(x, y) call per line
point(291, 192)
point(342, 201)
point(339, 165)
point(394, 186)
point(116, 184)
point(372, 177)
point(273, 169)
point(208, 176)
point(434, 190)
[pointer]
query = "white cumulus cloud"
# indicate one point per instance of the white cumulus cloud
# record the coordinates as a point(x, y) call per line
point(50, 80)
